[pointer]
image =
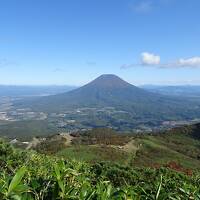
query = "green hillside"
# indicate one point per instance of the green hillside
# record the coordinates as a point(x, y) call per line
point(27, 129)
point(162, 149)
point(179, 145)
point(102, 164)
point(29, 175)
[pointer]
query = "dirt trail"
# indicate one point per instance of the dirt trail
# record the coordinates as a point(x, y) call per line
point(68, 138)
point(33, 143)
point(130, 147)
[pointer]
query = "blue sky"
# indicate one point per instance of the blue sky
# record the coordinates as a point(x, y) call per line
point(73, 41)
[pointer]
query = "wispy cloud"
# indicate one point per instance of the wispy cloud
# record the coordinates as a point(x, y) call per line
point(91, 63)
point(143, 6)
point(58, 70)
point(147, 6)
point(188, 62)
point(5, 62)
point(153, 60)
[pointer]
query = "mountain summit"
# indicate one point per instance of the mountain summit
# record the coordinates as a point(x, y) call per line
point(109, 80)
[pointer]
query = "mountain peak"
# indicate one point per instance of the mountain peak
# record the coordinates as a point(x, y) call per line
point(109, 80)
point(108, 76)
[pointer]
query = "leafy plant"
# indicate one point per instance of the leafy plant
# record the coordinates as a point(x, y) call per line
point(29, 175)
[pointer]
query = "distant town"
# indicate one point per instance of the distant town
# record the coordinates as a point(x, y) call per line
point(85, 118)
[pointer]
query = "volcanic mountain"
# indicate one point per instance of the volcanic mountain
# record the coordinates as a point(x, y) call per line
point(110, 90)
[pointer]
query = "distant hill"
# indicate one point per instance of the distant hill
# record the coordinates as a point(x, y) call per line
point(110, 90)
point(29, 91)
point(189, 91)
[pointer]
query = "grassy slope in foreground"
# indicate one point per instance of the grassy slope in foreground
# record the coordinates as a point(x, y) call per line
point(30, 175)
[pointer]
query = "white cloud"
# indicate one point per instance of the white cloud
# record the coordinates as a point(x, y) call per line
point(150, 59)
point(190, 62)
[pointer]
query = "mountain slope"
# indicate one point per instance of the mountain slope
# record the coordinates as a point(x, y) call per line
point(103, 91)
point(189, 91)
point(110, 90)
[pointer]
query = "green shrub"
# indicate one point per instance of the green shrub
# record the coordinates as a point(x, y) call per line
point(28, 175)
